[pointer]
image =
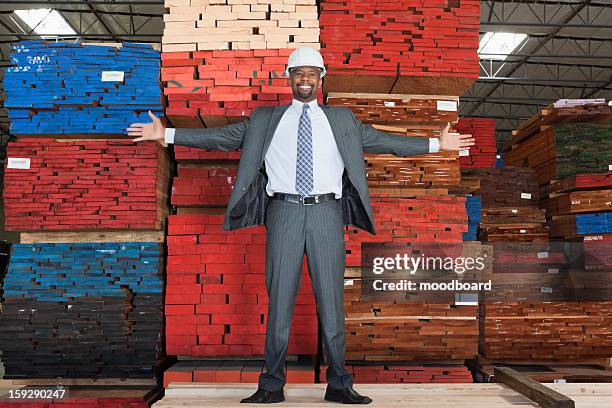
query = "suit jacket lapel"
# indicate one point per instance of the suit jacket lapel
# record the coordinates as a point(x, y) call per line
point(277, 114)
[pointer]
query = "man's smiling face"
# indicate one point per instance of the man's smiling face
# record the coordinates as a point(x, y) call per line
point(304, 82)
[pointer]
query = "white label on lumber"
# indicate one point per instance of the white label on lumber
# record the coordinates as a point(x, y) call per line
point(560, 381)
point(609, 167)
point(523, 231)
point(389, 104)
point(553, 270)
point(542, 255)
point(450, 106)
point(112, 76)
point(545, 290)
point(22, 163)
point(514, 211)
point(526, 196)
point(464, 152)
point(348, 282)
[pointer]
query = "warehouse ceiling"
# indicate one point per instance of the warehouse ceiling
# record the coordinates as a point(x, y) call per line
point(567, 52)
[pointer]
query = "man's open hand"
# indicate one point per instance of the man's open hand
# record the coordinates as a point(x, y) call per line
point(148, 131)
point(451, 141)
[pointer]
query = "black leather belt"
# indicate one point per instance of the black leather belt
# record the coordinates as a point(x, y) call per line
point(308, 200)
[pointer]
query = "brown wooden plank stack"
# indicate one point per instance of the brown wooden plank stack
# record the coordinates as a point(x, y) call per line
point(410, 115)
point(395, 330)
point(552, 331)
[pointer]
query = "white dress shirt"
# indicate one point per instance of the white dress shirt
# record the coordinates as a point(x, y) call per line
point(281, 156)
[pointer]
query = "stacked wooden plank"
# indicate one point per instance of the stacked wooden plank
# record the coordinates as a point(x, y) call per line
point(407, 46)
point(563, 141)
point(385, 331)
point(77, 310)
point(203, 186)
point(233, 371)
point(579, 205)
point(398, 374)
point(552, 331)
point(216, 300)
point(411, 115)
point(510, 209)
point(482, 154)
point(51, 184)
point(473, 206)
point(192, 25)
point(92, 395)
point(214, 88)
point(71, 88)
point(422, 219)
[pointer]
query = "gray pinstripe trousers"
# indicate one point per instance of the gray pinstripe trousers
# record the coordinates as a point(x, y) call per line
point(293, 229)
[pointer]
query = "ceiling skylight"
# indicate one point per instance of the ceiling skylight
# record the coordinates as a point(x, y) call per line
point(498, 46)
point(45, 21)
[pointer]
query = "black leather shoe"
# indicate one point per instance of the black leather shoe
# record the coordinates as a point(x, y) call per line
point(264, 397)
point(346, 396)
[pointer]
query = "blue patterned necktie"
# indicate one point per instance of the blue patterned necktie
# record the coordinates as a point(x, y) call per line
point(303, 168)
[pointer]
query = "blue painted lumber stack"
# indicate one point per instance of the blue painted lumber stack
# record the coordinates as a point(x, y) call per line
point(473, 205)
point(597, 223)
point(82, 310)
point(68, 88)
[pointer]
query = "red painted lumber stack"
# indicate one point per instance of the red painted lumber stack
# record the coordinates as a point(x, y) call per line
point(233, 371)
point(394, 374)
point(429, 46)
point(203, 186)
point(423, 219)
point(482, 154)
point(216, 301)
point(214, 88)
point(85, 184)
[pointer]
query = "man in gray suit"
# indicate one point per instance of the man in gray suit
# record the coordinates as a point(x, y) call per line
point(302, 174)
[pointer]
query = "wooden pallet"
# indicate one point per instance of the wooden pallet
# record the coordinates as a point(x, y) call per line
point(203, 395)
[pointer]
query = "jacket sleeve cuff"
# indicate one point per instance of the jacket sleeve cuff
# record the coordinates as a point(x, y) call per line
point(169, 136)
point(434, 145)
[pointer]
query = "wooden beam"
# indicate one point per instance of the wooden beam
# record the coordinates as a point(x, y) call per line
point(535, 391)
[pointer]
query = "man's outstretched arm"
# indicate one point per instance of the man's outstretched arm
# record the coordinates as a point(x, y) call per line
point(225, 138)
point(377, 141)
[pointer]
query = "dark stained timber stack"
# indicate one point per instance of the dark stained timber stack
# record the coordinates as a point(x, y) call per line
point(510, 212)
point(427, 47)
point(214, 88)
point(86, 184)
point(482, 154)
point(82, 310)
point(411, 115)
point(216, 301)
point(75, 89)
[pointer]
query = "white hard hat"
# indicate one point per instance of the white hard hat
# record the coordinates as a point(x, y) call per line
point(305, 57)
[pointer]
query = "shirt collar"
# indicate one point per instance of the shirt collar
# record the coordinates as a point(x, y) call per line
point(298, 106)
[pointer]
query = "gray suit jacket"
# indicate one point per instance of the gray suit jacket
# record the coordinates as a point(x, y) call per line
point(248, 202)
